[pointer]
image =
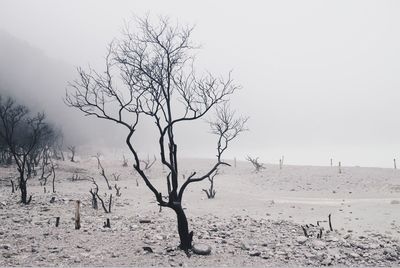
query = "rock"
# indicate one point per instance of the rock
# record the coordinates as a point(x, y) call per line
point(5, 246)
point(394, 202)
point(254, 253)
point(245, 246)
point(331, 238)
point(347, 236)
point(327, 260)
point(159, 237)
point(318, 244)
point(280, 252)
point(354, 255)
point(360, 245)
point(309, 255)
point(301, 239)
point(144, 221)
point(201, 249)
point(148, 249)
point(390, 252)
point(374, 246)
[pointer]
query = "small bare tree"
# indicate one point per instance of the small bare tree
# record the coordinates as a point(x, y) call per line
point(125, 161)
point(211, 192)
point(95, 196)
point(94, 192)
point(72, 149)
point(118, 189)
point(257, 165)
point(116, 176)
point(53, 171)
point(153, 67)
point(148, 163)
point(102, 171)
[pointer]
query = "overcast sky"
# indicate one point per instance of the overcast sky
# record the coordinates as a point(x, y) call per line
point(320, 78)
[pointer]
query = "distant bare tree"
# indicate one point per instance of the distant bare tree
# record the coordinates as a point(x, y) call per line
point(53, 171)
point(116, 176)
point(153, 67)
point(102, 171)
point(211, 191)
point(94, 192)
point(118, 189)
point(125, 161)
point(148, 163)
point(72, 149)
point(23, 133)
point(254, 161)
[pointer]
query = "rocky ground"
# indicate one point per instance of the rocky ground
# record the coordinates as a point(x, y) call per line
point(140, 235)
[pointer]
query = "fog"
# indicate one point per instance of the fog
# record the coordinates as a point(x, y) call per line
point(319, 79)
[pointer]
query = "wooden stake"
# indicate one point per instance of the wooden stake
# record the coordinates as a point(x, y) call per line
point(394, 163)
point(12, 187)
point(331, 162)
point(57, 221)
point(330, 222)
point(77, 215)
point(340, 167)
point(107, 223)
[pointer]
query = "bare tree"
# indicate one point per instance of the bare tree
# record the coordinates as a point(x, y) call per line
point(23, 134)
point(102, 171)
point(125, 161)
point(254, 161)
point(211, 191)
point(53, 170)
point(153, 68)
point(72, 149)
point(148, 163)
point(94, 192)
point(118, 189)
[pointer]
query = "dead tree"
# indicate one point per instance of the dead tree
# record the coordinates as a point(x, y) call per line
point(95, 196)
point(75, 177)
point(53, 171)
point(254, 161)
point(116, 176)
point(72, 149)
point(154, 69)
point(211, 192)
point(148, 163)
point(125, 161)
point(118, 189)
point(94, 192)
point(23, 134)
point(106, 208)
point(13, 187)
point(102, 172)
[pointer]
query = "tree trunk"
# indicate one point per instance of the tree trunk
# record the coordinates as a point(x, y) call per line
point(185, 236)
point(24, 191)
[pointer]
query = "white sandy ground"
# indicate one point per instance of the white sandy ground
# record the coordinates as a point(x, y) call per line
point(253, 214)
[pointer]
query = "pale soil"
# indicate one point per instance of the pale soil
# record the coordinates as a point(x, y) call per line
point(253, 214)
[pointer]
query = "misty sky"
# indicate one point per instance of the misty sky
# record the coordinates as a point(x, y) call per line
point(320, 78)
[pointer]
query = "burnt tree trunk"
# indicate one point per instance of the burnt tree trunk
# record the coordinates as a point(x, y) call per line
point(24, 191)
point(185, 236)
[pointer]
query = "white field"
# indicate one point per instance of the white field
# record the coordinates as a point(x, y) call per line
point(362, 201)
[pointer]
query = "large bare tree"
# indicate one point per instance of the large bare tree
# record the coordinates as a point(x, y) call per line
point(149, 73)
point(23, 135)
